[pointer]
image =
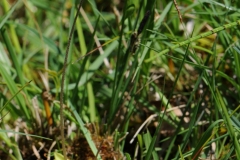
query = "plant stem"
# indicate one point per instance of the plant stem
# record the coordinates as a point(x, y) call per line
point(216, 30)
point(62, 83)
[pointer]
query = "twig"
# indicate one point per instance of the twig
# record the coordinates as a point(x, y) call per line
point(50, 149)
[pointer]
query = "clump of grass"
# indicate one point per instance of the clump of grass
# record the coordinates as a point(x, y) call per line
point(164, 73)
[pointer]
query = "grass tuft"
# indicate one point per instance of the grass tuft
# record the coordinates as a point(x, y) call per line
point(144, 80)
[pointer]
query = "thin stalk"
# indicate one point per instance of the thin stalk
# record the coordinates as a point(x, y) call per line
point(213, 31)
point(63, 79)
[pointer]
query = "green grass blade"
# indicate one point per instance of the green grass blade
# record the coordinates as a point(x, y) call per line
point(206, 137)
point(236, 55)
point(13, 89)
point(16, 152)
point(6, 104)
point(96, 64)
point(147, 139)
point(216, 30)
point(85, 132)
point(91, 100)
point(10, 12)
point(13, 55)
point(228, 123)
point(25, 134)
